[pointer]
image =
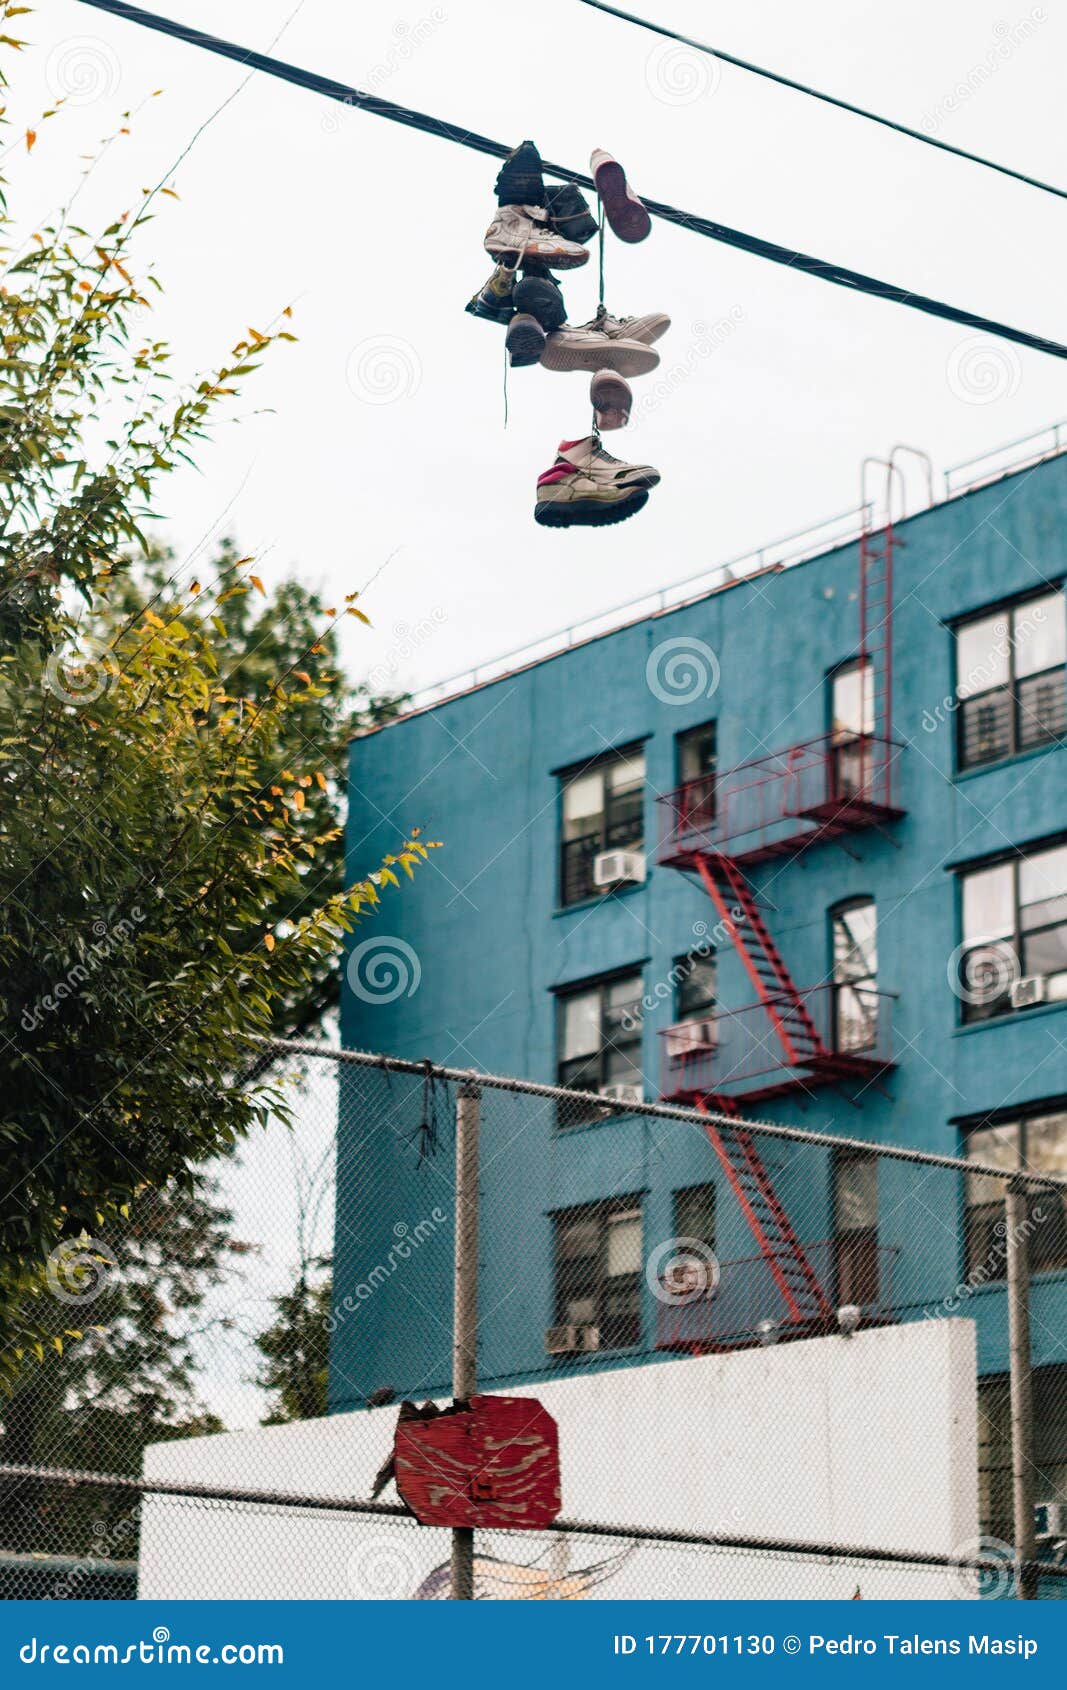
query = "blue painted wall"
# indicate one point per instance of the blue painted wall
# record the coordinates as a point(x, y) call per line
point(476, 773)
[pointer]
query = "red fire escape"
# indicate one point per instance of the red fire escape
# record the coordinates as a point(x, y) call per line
point(790, 1038)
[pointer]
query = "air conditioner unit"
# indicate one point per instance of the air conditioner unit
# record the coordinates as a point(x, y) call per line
point(571, 1340)
point(1050, 1518)
point(690, 1036)
point(616, 868)
point(622, 1094)
point(1029, 990)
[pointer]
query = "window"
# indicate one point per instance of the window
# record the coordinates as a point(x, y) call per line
point(694, 992)
point(1010, 680)
point(1014, 918)
point(855, 976)
point(852, 712)
point(994, 1446)
point(603, 810)
point(694, 1214)
point(598, 1270)
point(599, 1041)
point(696, 751)
point(855, 1204)
point(1038, 1142)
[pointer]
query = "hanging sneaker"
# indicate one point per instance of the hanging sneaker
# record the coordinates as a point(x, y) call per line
point(494, 300)
point(590, 349)
point(519, 233)
point(525, 340)
point(647, 328)
point(586, 487)
point(622, 208)
point(611, 399)
point(540, 296)
point(520, 181)
point(569, 213)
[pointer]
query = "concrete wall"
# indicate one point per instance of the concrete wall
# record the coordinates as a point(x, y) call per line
point(477, 773)
point(868, 1440)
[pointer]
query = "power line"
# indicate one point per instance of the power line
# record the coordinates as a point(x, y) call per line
point(827, 99)
point(838, 274)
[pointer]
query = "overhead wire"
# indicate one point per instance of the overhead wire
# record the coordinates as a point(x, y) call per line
point(826, 270)
point(827, 99)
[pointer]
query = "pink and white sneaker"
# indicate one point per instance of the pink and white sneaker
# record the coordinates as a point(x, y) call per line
point(622, 208)
point(588, 488)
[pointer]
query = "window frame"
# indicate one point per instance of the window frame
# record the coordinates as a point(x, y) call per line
point(682, 970)
point(975, 1214)
point(565, 777)
point(1008, 609)
point(857, 986)
point(567, 1115)
point(974, 1013)
point(602, 1211)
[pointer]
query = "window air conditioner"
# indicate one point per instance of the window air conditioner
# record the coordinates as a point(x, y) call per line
point(616, 868)
point(1050, 1518)
point(1028, 991)
point(571, 1340)
point(622, 1094)
point(690, 1036)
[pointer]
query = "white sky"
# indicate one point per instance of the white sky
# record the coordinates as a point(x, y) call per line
point(374, 234)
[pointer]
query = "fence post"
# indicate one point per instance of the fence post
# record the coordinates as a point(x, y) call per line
point(1020, 1380)
point(465, 1302)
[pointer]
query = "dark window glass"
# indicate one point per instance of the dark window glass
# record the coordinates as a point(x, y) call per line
point(1011, 682)
point(603, 810)
point(855, 976)
point(855, 1206)
point(598, 1270)
point(694, 1214)
point(599, 1042)
point(1038, 1142)
point(694, 998)
point(1014, 918)
point(994, 1446)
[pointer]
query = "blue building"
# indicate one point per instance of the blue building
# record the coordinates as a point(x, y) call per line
point(796, 847)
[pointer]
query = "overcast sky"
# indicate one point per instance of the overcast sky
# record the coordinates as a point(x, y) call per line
point(381, 433)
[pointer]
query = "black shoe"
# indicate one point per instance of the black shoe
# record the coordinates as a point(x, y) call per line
point(569, 213)
point(520, 181)
point(541, 298)
point(525, 340)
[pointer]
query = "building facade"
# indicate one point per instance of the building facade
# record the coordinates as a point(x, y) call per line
point(797, 848)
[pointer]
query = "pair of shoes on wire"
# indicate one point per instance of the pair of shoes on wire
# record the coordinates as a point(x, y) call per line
point(588, 488)
point(607, 343)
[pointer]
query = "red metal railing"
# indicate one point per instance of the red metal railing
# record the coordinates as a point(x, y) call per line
point(747, 1306)
point(739, 1052)
point(776, 803)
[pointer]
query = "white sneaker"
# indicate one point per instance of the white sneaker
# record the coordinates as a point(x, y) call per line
point(611, 399)
point(586, 487)
point(647, 328)
point(591, 349)
point(519, 233)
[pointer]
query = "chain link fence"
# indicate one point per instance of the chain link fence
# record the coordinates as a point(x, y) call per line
point(779, 1359)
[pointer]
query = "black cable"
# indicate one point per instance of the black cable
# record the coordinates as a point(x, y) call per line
point(827, 99)
point(826, 271)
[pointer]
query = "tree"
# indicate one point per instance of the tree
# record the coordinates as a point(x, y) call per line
point(296, 1349)
point(157, 843)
